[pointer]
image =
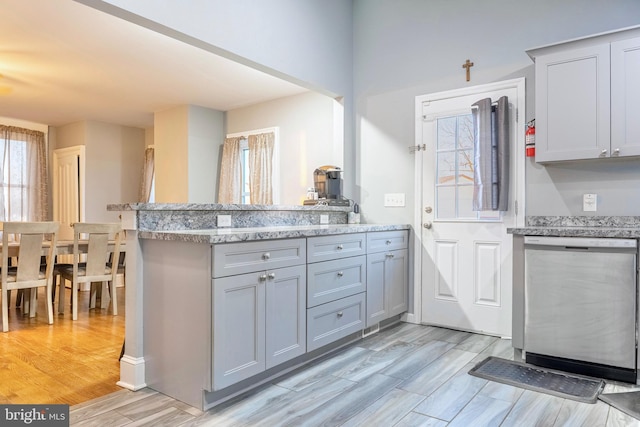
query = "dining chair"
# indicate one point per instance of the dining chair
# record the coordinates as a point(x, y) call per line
point(28, 273)
point(97, 237)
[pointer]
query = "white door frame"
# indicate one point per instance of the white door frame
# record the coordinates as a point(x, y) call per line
point(519, 155)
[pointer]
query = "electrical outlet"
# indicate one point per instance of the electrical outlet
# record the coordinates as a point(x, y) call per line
point(324, 219)
point(394, 199)
point(224, 220)
point(589, 202)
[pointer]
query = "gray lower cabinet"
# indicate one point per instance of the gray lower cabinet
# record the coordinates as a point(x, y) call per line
point(259, 321)
point(336, 285)
point(387, 276)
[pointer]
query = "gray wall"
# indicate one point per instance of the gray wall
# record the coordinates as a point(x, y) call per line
point(406, 48)
point(308, 42)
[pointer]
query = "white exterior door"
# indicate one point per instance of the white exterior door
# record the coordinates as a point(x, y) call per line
point(68, 189)
point(465, 256)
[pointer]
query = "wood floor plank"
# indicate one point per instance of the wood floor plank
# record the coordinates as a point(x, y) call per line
point(375, 361)
point(427, 380)
point(390, 334)
point(111, 419)
point(483, 411)
point(310, 375)
point(297, 405)
point(386, 411)
point(103, 405)
point(413, 419)
point(418, 359)
point(534, 409)
point(617, 418)
point(347, 404)
point(476, 343)
point(449, 399)
point(577, 414)
point(500, 391)
point(168, 417)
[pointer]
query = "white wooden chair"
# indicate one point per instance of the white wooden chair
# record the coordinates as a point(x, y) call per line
point(28, 273)
point(95, 269)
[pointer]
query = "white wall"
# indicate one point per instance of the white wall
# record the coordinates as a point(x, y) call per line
point(405, 48)
point(307, 129)
point(114, 157)
point(206, 135)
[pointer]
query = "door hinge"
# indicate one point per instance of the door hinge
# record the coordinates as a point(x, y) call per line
point(414, 148)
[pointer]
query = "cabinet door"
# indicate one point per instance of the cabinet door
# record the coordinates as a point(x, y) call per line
point(573, 104)
point(397, 282)
point(376, 295)
point(238, 328)
point(625, 97)
point(286, 314)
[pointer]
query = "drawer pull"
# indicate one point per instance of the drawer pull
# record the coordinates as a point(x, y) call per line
point(262, 277)
point(340, 247)
point(266, 256)
point(340, 314)
point(340, 274)
point(388, 242)
point(271, 276)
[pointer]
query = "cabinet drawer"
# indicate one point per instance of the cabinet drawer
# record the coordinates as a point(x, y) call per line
point(247, 257)
point(331, 280)
point(325, 248)
point(381, 241)
point(329, 322)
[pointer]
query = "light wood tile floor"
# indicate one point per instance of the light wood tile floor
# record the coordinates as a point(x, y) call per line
point(407, 375)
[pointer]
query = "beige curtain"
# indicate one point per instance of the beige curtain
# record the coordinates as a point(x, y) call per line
point(147, 176)
point(261, 169)
point(230, 173)
point(23, 171)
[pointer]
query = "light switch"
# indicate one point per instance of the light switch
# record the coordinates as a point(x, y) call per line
point(590, 202)
point(394, 199)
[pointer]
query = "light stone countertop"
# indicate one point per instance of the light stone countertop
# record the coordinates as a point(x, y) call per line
point(228, 235)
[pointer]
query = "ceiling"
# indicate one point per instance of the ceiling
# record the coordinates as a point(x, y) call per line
point(63, 62)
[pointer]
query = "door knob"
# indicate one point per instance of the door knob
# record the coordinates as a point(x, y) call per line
point(428, 209)
point(427, 225)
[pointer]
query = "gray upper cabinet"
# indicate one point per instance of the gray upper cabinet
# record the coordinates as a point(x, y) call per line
point(625, 95)
point(586, 98)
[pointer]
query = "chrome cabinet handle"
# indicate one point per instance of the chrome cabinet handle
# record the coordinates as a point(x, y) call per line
point(271, 276)
point(603, 152)
point(340, 247)
point(262, 277)
point(616, 152)
point(266, 256)
point(340, 274)
point(340, 314)
point(389, 255)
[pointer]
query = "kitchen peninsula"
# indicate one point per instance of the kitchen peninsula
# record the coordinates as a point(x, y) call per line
point(214, 311)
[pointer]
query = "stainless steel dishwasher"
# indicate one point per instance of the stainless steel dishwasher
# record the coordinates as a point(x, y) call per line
point(580, 305)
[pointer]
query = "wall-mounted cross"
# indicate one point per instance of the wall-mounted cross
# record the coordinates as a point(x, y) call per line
point(468, 66)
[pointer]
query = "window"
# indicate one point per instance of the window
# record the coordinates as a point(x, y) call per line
point(245, 172)
point(454, 169)
point(23, 180)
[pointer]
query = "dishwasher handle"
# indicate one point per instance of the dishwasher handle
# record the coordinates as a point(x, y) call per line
point(580, 242)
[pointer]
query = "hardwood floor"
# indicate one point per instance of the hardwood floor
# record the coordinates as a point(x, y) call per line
point(67, 362)
point(407, 375)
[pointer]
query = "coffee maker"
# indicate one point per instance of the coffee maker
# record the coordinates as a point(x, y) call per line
point(328, 184)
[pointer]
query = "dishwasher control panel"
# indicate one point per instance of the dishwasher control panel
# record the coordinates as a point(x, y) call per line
point(581, 242)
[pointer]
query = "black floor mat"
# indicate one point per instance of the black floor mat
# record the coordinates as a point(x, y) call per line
point(627, 402)
point(569, 386)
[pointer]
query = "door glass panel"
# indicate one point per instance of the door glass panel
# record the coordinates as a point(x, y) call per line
point(454, 170)
point(445, 202)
